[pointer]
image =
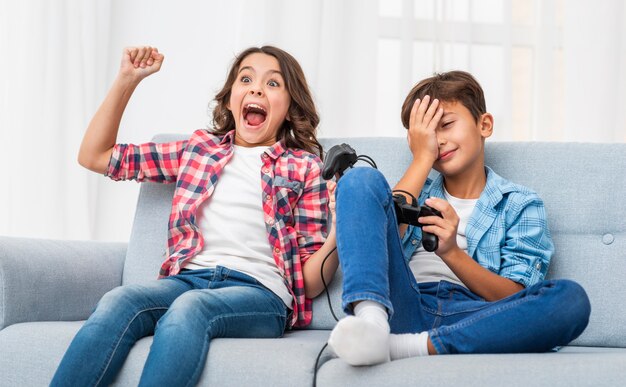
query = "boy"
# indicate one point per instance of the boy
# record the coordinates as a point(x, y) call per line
point(482, 289)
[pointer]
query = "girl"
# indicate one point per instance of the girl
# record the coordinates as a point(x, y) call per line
point(247, 229)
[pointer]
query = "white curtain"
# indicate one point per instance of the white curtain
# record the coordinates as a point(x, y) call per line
point(595, 70)
point(551, 70)
point(51, 76)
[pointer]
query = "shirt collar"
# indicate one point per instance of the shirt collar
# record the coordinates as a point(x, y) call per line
point(274, 151)
point(495, 188)
point(228, 139)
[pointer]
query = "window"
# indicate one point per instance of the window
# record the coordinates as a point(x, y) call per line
point(513, 48)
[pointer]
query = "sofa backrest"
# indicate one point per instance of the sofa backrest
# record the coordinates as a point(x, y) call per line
point(583, 187)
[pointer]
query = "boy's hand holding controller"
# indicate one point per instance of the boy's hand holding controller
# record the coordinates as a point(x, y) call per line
point(140, 62)
point(445, 228)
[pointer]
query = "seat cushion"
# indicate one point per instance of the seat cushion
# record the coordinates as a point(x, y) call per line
point(572, 366)
point(31, 352)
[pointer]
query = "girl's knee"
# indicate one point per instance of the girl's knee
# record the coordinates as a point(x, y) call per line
point(190, 307)
point(127, 300)
point(187, 301)
point(119, 297)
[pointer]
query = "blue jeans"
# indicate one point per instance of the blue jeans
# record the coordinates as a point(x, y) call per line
point(184, 313)
point(536, 319)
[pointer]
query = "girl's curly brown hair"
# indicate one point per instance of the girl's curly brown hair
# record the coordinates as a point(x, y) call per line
point(297, 132)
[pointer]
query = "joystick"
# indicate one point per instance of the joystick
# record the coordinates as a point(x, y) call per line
point(338, 159)
point(409, 213)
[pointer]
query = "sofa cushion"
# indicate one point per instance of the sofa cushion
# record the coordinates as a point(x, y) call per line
point(575, 366)
point(148, 239)
point(583, 187)
point(37, 348)
point(35, 351)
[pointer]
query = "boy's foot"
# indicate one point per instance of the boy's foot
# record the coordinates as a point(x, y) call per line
point(360, 342)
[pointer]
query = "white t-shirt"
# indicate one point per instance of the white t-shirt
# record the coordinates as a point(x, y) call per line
point(427, 266)
point(232, 224)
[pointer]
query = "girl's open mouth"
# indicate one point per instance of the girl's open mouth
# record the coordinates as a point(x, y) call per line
point(254, 115)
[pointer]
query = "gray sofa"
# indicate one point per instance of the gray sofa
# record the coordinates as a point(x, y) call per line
point(48, 287)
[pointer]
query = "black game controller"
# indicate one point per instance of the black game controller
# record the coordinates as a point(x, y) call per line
point(338, 159)
point(409, 213)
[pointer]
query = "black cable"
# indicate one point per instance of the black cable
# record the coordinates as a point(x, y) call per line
point(330, 306)
point(368, 160)
point(413, 199)
point(319, 355)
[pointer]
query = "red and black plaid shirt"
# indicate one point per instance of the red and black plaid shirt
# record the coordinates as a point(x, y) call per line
point(294, 200)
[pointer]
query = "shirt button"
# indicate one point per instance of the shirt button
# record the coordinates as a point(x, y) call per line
point(266, 170)
point(607, 239)
point(276, 250)
point(268, 198)
point(264, 155)
point(414, 242)
point(538, 266)
point(270, 221)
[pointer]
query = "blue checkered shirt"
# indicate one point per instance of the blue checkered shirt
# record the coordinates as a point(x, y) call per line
point(507, 232)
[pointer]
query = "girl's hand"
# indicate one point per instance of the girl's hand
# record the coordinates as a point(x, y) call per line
point(445, 228)
point(332, 186)
point(139, 62)
point(421, 136)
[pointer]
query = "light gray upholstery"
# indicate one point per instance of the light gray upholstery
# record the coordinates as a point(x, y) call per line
point(48, 280)
point(575, 366)
point(46, 284)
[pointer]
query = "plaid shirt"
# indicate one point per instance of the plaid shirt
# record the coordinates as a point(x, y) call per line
point(294, 198)
point(507, 233)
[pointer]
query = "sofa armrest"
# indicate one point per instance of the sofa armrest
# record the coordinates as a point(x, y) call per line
point(55, 280)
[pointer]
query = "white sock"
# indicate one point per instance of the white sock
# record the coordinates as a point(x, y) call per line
point(362, 339)
point(373, 312)
point(408, 345)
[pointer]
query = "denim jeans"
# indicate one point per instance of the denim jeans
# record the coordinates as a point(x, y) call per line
point(184, 313)
point(537, 319)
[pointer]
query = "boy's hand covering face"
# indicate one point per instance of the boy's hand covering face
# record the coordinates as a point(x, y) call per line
point(422, 135)
point(445, 228)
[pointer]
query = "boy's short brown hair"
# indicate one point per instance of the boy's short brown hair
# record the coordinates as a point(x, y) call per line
point(452, 86)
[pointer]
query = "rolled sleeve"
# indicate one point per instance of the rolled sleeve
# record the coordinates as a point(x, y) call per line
point(146, 162)
point(528, 245)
